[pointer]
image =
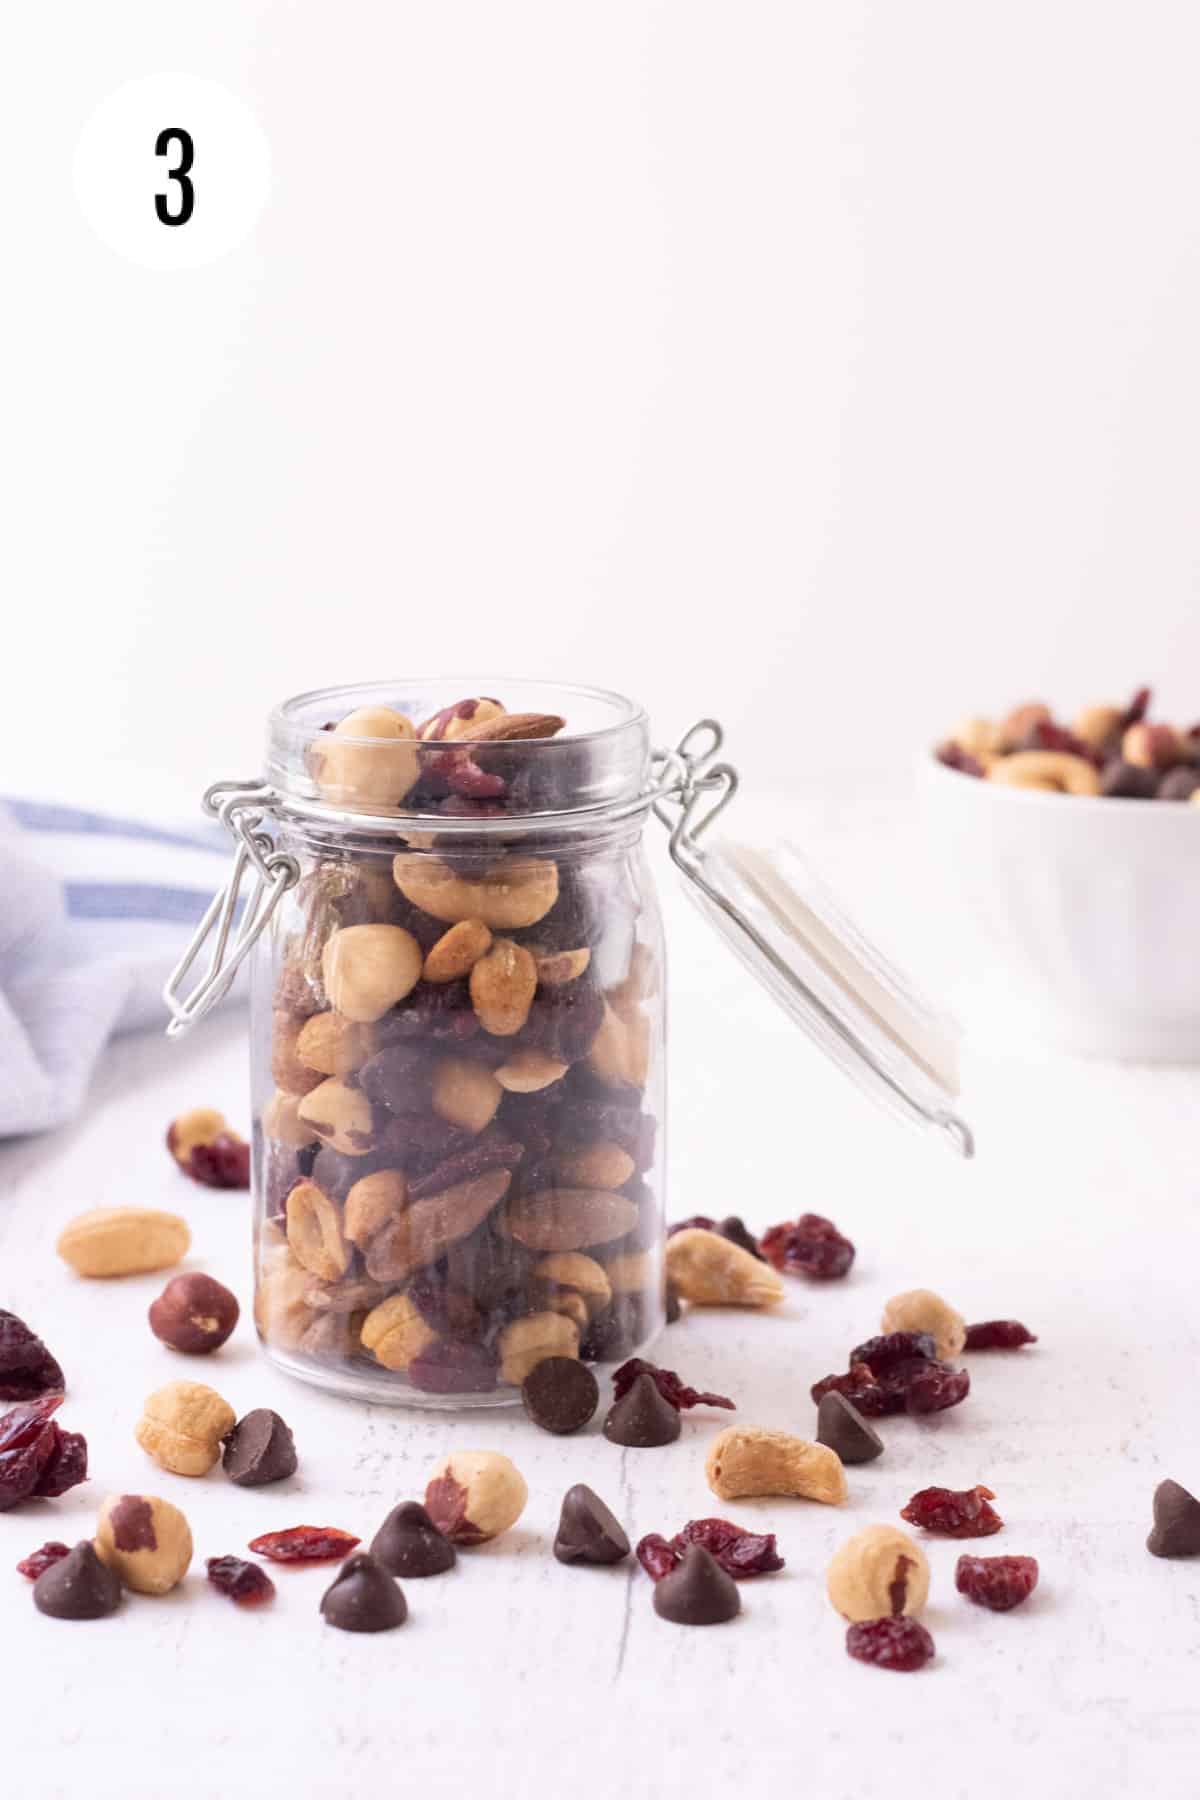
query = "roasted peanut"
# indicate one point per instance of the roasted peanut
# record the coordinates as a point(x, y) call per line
point(369, 968)
point(182, 1425)
point(457, 951)
point(746, 1460)
point(123, 1240)
point(395, 1331)
point(339, 1115)
point(333, 1044)
point(919, 1309)
point(529, 1071)
point(314, 1232)
point(878, 1573)
point(709, 1270)
point(465, 1093)
point(502, 986)
point(515, 893)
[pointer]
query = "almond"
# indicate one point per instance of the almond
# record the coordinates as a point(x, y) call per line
point(506, 728)
point(569, 1218)
point(600, 1165)
point(427, 1228)
point(457, 951)
point(503, 984)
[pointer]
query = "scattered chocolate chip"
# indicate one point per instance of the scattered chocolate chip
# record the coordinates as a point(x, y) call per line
point(364, 1597)
point(1176, 1522)
point(560, 1394)
point(642, 1419)
point(78, 1586)
point(842, 1429)
point(587, 1530)
point(698, 1592)
point(259, 1449)
point(409, 1543)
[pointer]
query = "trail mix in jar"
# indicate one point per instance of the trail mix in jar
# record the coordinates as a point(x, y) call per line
point(458, 1146)
point(1116, 751)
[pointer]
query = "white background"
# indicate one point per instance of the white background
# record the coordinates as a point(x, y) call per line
point(831, 365)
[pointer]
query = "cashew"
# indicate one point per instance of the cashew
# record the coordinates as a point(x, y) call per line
point(571, 1269)
point(465, 1093)
point(620, 1052)
point(529, 1341)
point(708, 1270)
point(746, 1460)
point(503, 984)
point(878, 1573)
point(368, 968)
point(457, 951)
point(1051, 771)
point(515, 893)
point(314, 1232)
point(919, 1309)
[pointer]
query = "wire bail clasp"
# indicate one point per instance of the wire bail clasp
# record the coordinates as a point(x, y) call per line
point(693, 790)
point(238, 924)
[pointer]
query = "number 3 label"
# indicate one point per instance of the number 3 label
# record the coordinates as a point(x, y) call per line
point(167, 151)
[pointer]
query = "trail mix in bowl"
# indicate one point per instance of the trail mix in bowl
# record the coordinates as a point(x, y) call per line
point(1115, 751)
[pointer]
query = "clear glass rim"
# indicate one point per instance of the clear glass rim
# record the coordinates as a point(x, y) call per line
point(283, 725)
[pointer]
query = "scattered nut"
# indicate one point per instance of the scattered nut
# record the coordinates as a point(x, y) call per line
point(529, 1071)
point(571, 1269)
point(555, 968)
point(601, 1165)
point(182, 1425)
point(339, 1115)
point(426, 1229)
point(456, 953)
point(145, 1540)
point(371, 1202)
point(208, 1151)
point(1053, 771)
point(334, 1044)
point(528, 1341)
point(746, 1460)
point(203, 1125)
point(314, 1232)
point(922, 1310)
point(513, 894)
point(371, 775)
point(474, 1495)
point(194, 1314)
point(709, 1270)
point(123, 1240)
point(465, 1093)
point(281, 1121)
point(620, 1052)
point(367, 969)
point(503, 984)
point(568, 1218)
point(878, 1573)
point(395, 1332)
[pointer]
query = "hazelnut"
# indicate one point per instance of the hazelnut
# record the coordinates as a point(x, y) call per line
point(368, 760)
point(922, 1310)
point(474, 1495)
point(144, 1540)
point(1151, 746)
point(371, 1202)
point(528, 1341)
point(182, 1426)
point(465, 1093)
point(334, 1044)
point(339, 1115)
point(395, 1332)
point(367, 969)
point(194, 1314)
point(878, 1573)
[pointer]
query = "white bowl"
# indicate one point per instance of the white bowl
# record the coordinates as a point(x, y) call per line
point(1088, 909)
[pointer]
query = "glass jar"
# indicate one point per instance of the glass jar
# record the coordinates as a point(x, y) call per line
point(458, 1030)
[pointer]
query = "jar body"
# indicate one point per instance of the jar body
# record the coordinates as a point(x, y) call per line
point(458, 1085)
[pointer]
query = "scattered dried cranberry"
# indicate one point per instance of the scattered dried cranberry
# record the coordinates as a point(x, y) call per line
point(999, 1582)
point(740, 1553)
point(882, 1353)
point(244, 1582)
point(860, 1387)
point(225, 1163)
point(305, 1543)
point(897, 1373)
point(38, 1460)
point(954, 757)
point(668, 1384)
point(998, 1334)
point(1137, 709)
point(27, 1368)
point(901, 1643)
point(38, 1561)
point(812, 1246)
point(954, 1513)
point(934, 1386)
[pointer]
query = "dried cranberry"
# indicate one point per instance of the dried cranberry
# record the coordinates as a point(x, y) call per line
point(668, 1384)
point(38, 1460)
point(38, 1561)
point(954, 757)
point(999, 1582)
point(244, 1582)
point(880, 1353)
point(563, 1021)
point(953, 1512)
point(450, 1310)
point(900, 1643)
point(934, 1387)
point(860, 1387)
point(813, 1246)
point(1137, 709)
point(998, 1334)
point(225, 1163)
point(897, 1373)
point(435, 1012)
point(462, 774)
point(657, 1555)
point(740, 1553)
point(305, 1543)
point(1043, 734)
point(27, 1368)
point(454, 1366)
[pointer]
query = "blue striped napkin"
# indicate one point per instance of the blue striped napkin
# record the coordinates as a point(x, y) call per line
point(94, 912)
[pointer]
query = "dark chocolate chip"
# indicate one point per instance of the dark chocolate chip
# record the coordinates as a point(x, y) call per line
point(409, 1543)
point(1122, 780)
point(78, 1586)
point(587, 1531)
point(364, 1597)
point(842, 1428)
point(698, 1592)
point(1179, 784)
point(642, 1419)
point(1176, 1522)
point(259, 1449)
point(560, 1394)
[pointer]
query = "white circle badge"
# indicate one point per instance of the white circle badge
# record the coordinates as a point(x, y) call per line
point(172, 171)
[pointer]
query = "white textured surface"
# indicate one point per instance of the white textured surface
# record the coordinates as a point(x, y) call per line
point(516, 1676)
